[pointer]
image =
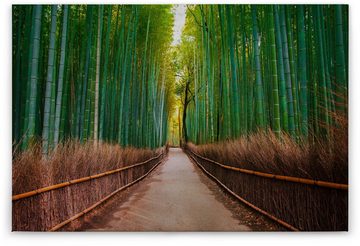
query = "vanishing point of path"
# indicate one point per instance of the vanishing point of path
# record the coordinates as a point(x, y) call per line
point(176, 196)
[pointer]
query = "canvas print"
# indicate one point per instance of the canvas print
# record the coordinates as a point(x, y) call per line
point(180, 117)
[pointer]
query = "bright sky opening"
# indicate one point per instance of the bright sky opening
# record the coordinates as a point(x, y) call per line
point(179, 22)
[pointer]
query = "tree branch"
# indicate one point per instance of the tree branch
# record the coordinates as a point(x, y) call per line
point(196, 20)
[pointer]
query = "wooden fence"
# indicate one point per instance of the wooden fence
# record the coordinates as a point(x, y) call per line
point(296, 203)
point(50, 208)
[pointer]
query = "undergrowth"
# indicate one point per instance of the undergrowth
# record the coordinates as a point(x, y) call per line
point(319, 158)
point(71, 160)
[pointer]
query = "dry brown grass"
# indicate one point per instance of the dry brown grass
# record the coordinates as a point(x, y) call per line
point(306, 207)
point(69, 161)
point(264, 152)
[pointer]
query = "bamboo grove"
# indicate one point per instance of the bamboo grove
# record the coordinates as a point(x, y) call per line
point(252, 67)
point(91, 73)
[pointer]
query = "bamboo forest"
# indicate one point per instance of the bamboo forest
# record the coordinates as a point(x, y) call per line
point(256, 96)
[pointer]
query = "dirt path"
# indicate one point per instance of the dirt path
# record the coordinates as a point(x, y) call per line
point(177, 196)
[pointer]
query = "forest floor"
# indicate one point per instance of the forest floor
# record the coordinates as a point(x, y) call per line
point(176, 196)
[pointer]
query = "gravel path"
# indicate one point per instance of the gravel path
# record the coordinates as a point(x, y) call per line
point(177, 196)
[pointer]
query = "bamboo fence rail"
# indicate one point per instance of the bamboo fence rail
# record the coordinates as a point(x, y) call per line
point(270, 216)
point(53, 207)
point(278, 177)
point(79, 180)
point(87, 210)
point(295, 203)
